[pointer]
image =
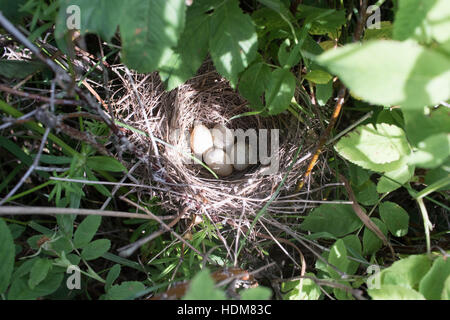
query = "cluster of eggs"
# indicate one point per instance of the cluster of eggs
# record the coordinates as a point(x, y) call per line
point(218, 149)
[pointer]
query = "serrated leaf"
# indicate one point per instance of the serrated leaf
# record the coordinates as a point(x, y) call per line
point(395, 218)
point(7, 253)
point(372, 243)
point(254, 82)
point(379, 148)
point(422, 20)
point(125, 290)
point(39, 272)
point(280, 91)
point(149, 30)
point(391, 292)
point(95, 249)
point(86, 230)
point(192, 48)
point(432, 284)
point(432, 151)
point(202, 287)
point(233, 43)
point(338, 220)
point(412, 76)
point(104, 163)
point(393, 180)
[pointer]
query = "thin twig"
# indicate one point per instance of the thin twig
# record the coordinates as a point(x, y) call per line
point(61, 75)
point(38, 155)
point(40, 98)
point(165, 226)
point(16, 210)
point(128, 250)
point(339, 102)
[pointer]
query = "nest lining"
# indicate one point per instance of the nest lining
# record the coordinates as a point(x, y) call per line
point(209, 99)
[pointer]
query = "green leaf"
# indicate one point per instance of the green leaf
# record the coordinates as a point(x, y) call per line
point(395, 218)
point(254, 82)
point(322, 21)
point(39, 272)
point(391, 292)
point(338, 258)
point(19, 69)
point(432, 284)
point(192, 48)
point(7, 253)
point(338, 220)
point(432, 151)
point(354, 249)
point(324, 93)
point(86, 230)
point(407, 272)
point(371, 243)
point(101, 17)
point(233, 42)
point(21, 291)
point(412, 76)
point(379, 148)
point(11, 10)
point(95, 249)
point(366, 193)
point(258, 293)
point(100, 188)
point(437, 174)
point(149, 30)
point(62, 244)
point(288, 57)
point(421, 124)
point(113, 274)
point(104, 163)
point(309, 291)
point(65, 223)
point(318, 76)
point(399, 177)
point(280, 91)
point(422, 20)
point(384, 32)
point(446, 291)
point(202, 287)
point(126, 290)
point(358, 175)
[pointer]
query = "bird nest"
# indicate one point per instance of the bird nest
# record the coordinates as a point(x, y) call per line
point(179, 183)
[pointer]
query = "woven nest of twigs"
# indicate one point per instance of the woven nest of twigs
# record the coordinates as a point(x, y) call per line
point(209, 99)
